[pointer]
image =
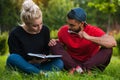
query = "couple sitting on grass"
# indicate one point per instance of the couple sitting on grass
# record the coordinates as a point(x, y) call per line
point(83, 47)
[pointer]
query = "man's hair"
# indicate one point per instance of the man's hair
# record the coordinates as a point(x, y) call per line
point(78, 14)
point(30, 11)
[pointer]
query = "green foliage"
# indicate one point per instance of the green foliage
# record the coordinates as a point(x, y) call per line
point(54, 15)
point(117, 49)
point(117, 13)
point(105, 7)
point(53, 33)
point(3, 43)
point(109, 11)
point(9, 15)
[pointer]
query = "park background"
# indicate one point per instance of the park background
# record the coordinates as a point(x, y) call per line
point(102, 13)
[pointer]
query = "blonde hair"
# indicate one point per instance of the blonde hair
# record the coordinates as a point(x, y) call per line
point(29, 12)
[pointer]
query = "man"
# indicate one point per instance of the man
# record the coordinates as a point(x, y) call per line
point(87, 47)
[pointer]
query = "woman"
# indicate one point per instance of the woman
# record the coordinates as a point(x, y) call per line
point(31, 37)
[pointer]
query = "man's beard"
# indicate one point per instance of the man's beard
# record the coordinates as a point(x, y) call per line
point(75, 31)
point(78, 30)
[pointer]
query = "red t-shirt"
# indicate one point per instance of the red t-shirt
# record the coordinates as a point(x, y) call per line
point(80, 48)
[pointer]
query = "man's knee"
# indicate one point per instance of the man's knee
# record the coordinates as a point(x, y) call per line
point(107, 51)
point(57, 46)
point(57, 49)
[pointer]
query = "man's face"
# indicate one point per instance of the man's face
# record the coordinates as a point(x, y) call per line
point(74, 25)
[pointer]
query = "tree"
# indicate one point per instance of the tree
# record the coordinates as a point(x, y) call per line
point(54, 15)
point(106, 7)
point(9, 13)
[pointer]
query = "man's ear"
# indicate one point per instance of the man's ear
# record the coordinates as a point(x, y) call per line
point(81, 26)
point(83, 22)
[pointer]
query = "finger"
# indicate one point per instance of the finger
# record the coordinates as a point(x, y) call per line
point(81, 34)
point(52, 42)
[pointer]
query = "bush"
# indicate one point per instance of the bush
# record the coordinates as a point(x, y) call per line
point(117, 48)
point(53, 34)
point(54, 15)
point(3, 43)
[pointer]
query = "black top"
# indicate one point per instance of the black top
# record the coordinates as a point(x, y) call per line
point(21, 42)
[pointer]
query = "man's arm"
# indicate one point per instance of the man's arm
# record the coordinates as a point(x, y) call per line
point(105, 40)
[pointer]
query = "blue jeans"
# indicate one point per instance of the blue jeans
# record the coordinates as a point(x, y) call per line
point(15, 60)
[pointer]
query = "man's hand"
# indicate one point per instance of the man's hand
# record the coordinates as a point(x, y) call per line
point(83, 34)
point(53, 42)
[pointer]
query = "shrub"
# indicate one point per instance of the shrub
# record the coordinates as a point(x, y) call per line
point(54, 15)
point(53, 33)
point(3, 43)
point(117, 48)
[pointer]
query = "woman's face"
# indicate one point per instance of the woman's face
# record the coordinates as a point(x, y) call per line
point(36, 26)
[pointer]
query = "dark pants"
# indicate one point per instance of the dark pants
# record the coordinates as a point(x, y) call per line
point(99, 61)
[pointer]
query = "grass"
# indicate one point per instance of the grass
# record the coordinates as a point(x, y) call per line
point(112, 72)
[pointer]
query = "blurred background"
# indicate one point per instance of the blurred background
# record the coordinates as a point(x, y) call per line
point(102, 13)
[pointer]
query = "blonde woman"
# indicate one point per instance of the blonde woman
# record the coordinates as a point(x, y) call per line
point(31, 37)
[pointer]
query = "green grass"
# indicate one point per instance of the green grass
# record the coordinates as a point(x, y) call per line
point(112, 72)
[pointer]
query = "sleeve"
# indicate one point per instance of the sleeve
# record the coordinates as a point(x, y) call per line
point(13, 43)
point(97, 32)
point(60, 34)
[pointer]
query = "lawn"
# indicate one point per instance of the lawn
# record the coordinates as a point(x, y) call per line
point(112, 72)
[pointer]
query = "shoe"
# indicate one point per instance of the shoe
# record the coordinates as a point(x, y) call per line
point(72, 71)
point(78, 69)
